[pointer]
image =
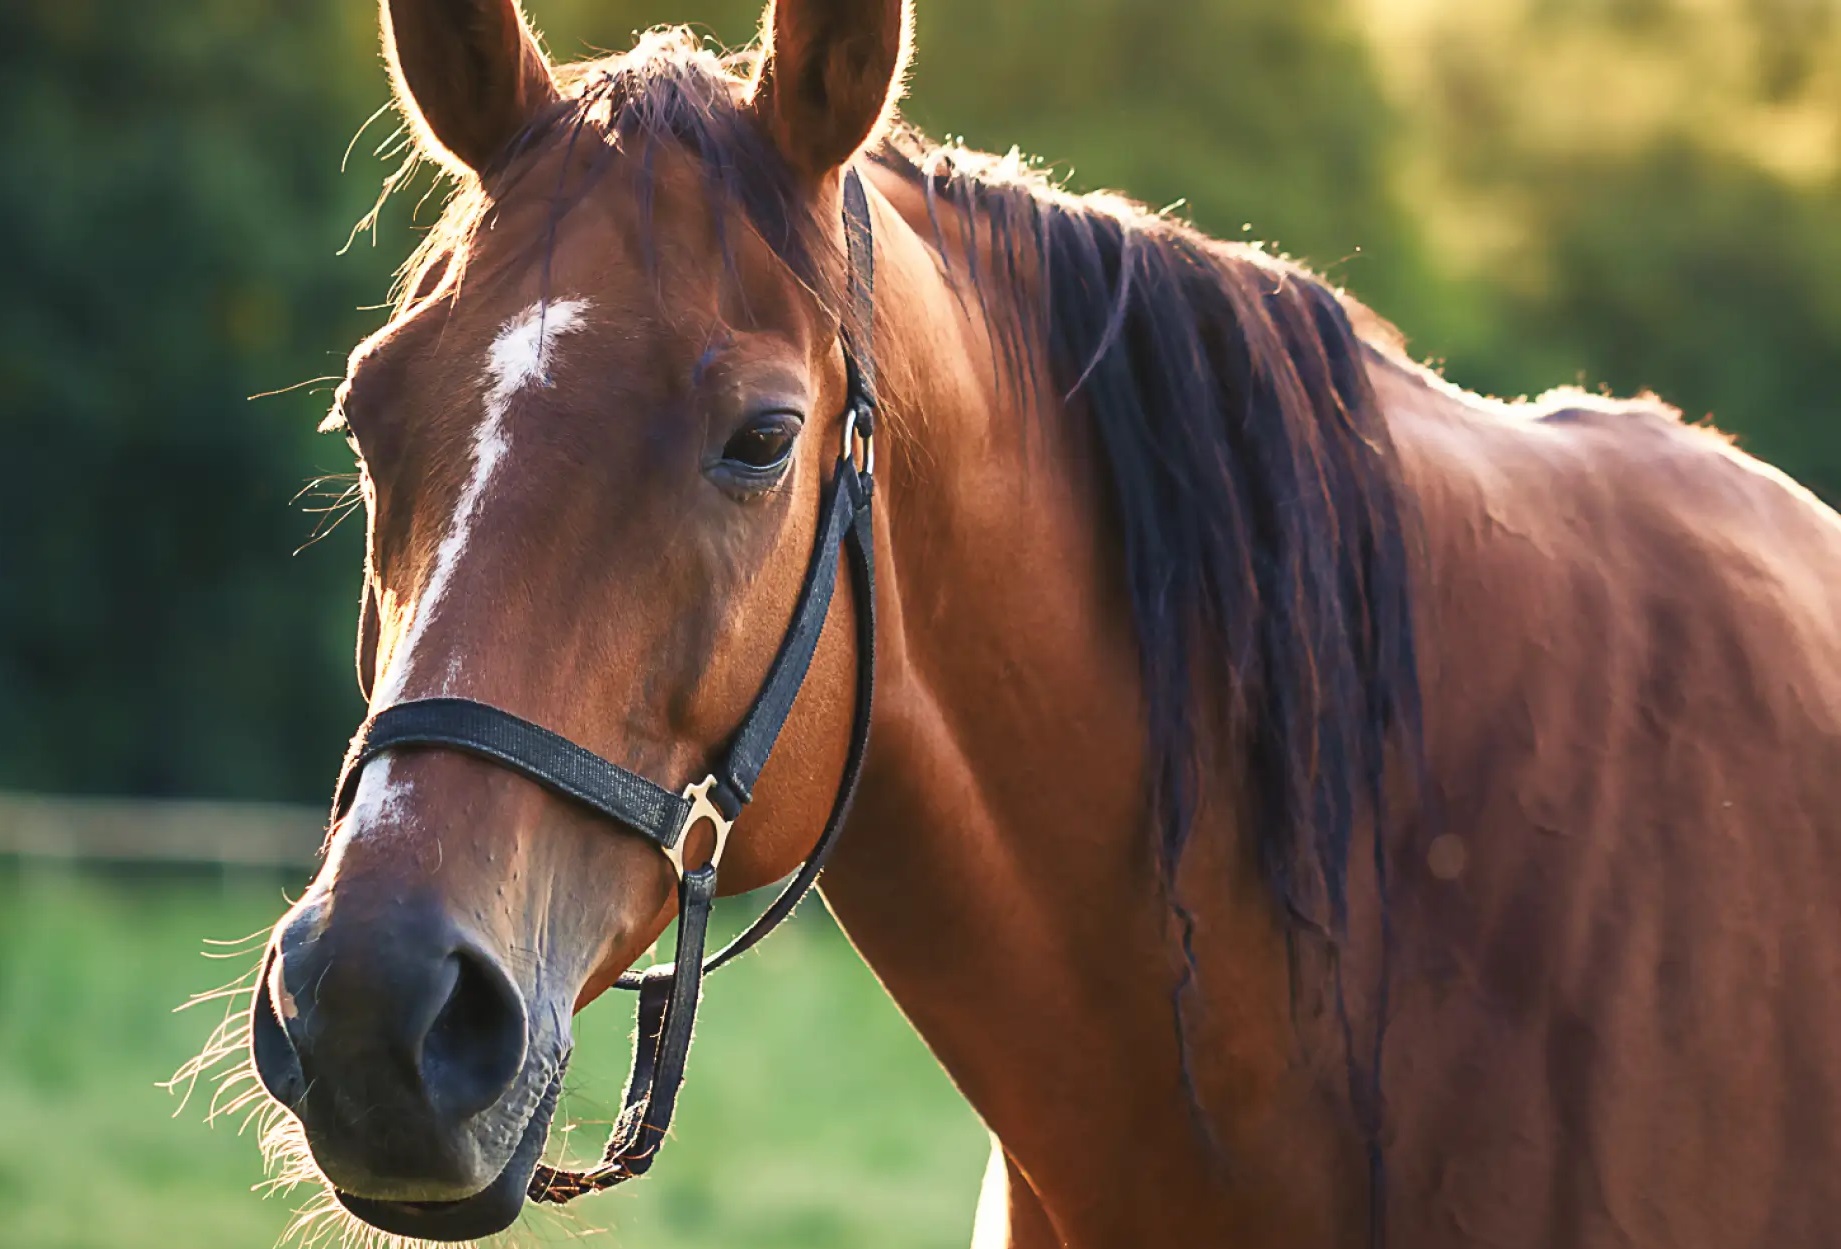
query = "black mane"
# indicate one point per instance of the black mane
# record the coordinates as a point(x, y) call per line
point(1263, 526)
point(1256, 491)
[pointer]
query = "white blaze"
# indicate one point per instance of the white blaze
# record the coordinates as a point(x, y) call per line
point(520, 357)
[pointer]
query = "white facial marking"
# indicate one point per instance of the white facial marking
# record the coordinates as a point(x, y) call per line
point(520, 358)
point(379, 798)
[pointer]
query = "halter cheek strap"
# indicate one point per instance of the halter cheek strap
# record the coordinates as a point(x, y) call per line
point(669, 993)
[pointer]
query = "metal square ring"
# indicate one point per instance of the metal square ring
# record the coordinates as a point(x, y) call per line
point(697, 794)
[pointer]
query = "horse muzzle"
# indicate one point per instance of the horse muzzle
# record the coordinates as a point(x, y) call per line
point(408, 1054)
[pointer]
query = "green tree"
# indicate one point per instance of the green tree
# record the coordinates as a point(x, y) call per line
point(1638, 195)
point(167, 232)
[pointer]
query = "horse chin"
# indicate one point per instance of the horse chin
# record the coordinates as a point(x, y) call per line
point(492, 1209)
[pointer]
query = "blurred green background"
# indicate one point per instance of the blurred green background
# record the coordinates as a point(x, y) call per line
point(1627, 193)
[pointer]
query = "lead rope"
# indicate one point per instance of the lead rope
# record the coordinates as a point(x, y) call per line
point(669, 993)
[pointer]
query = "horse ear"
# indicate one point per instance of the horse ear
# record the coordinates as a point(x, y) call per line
point(468, 75)
point(830, 76)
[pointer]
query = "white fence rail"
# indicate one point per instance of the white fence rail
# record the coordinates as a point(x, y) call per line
point(139, 830)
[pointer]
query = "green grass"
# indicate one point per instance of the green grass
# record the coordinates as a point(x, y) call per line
point(812, 1116)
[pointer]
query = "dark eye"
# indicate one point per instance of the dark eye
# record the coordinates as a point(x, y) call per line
point(763, 445)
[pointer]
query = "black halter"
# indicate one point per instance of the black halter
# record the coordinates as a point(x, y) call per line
point(668, 994)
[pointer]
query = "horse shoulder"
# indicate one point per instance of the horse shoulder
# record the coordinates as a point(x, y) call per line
point(1633, 713)
point(1611, 524)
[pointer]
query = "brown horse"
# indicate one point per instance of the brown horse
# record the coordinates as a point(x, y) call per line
point(1307, 804)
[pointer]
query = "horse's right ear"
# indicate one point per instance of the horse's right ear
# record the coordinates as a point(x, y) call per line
point(469, 75)
point(830, 76)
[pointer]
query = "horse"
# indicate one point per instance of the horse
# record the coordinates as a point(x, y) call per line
point(1303, 803)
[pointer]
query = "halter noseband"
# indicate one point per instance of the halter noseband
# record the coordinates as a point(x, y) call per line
point(668, 993)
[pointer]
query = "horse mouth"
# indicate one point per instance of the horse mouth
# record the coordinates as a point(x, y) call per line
point(492, 1209)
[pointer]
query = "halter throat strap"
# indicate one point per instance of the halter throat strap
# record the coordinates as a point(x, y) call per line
point(669, 993)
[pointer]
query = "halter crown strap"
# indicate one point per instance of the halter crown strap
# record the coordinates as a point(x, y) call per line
point(860, 289)
point(668, 994)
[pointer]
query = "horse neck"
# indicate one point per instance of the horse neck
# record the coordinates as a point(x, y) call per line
point(1000, 873)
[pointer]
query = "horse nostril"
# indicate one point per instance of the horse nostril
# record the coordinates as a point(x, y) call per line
point(475, 1048)
point(278, 1063)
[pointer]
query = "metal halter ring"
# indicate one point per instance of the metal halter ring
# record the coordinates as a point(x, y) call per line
point(853, 439)
point(697, 794)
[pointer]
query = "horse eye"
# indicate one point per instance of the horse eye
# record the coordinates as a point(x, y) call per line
point(763, 445)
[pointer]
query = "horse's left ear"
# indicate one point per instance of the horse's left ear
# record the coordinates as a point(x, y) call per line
point(469, 75)
point(830, 76)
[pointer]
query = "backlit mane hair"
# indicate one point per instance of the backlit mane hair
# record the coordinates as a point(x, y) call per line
point(1254, 485)
point(1252, 480)
point(1266, 538)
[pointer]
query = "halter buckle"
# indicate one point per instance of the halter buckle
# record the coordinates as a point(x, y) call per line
point(697, 794)
point(856, 441)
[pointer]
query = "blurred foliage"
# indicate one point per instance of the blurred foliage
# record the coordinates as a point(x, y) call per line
point(1633, 193)
point(1636, 194)
point(166, 231)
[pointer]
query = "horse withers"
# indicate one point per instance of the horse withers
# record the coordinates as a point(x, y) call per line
point(1305, 804)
